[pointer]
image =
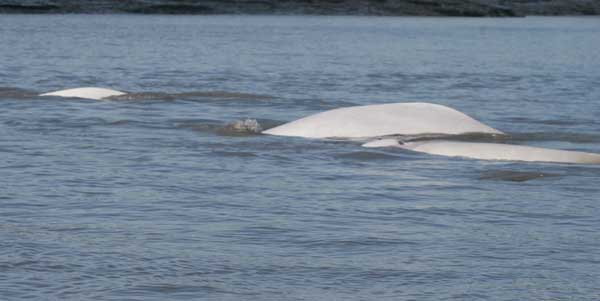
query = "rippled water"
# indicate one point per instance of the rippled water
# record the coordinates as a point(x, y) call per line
point(155, 197)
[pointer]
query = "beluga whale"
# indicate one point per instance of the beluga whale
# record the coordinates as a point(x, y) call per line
point(490, 151)
point(405, 125)
point(86, 92)
point(414, 118)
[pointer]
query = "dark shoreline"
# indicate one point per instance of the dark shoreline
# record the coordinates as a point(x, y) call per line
point(466, 8)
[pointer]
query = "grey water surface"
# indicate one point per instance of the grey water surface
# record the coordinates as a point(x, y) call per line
point(158, 196)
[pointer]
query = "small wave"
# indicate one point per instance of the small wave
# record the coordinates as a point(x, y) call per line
point(120, 122)
point(556, 136)
point(28, 9)
point(198, 95)
point(198, 125)
point(366, 156)
point(514, 175)
point(225, 95)
point(15, 93)
point(179, 9)
point(234, 154)
point(560, 122)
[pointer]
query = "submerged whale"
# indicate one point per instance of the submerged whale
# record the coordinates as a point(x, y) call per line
point(383, 120)
point(87, 92)
point(490, 151)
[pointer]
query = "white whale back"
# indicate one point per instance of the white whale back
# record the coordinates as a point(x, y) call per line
point(382, 120)
point(88, 92)
point(490, 151)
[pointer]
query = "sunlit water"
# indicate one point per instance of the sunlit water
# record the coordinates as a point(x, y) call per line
point(155, 197)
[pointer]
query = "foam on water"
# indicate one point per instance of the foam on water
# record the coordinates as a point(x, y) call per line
point(242, 127)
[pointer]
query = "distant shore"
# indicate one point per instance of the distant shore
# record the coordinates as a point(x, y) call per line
point(464, 8)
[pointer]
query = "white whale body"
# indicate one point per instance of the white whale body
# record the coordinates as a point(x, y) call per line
point(490, 151)
point(382, 120)
point(420, 119)
point(87, 92)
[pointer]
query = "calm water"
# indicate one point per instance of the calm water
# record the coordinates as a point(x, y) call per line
point(153, 199)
